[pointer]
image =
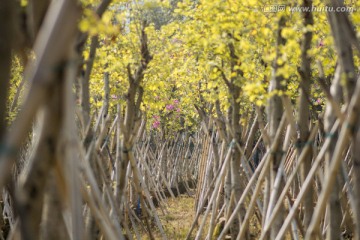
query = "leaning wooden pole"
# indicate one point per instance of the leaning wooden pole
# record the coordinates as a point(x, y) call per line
point(6, 27)
point(50, 49)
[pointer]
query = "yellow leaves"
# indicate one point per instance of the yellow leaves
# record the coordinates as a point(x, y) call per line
point(152, 87)
point(314, 52)
point(356, 17)
point(275, 92)
point(184, 8)
point(187, 53)
point(220, 49)
point(256, 91)
point(178, 84)
point(17, 70)
point(150, 4)
point(86, 55)
point(308, 28)
point(234, 7)
point(170, 29)
point(252, 3)
point(119, 1)
point(93, 25)
point(270, 56)
point(245, 45)
point(211, 85)
point(280, 61)
point(85, 25)
point(214, 74)
point(266, 32)
point(260, 102)
point(106, 18)
point(286, 71)
point(90, 2)
point(23, 3)
point(288, 32)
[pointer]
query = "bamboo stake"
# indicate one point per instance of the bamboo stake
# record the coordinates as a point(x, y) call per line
point(262, 170)
point(217, 181)
point(138, 177)
point(99, 217)
point(287, 186)
point(273, 148)
point(216, 188)
point(51, 50)
point(70, 155)
point(305, 185)
point(335, 162)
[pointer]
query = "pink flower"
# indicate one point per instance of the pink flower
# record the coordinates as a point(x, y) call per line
point(176, 101)
point(178, 109)
point(156, 124)
point(169, 107)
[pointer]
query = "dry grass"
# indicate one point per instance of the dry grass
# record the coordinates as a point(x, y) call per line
point(181, 215)
point(178, 222)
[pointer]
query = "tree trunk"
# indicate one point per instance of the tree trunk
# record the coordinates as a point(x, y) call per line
point(36, 11)
point(53, 225)
point(304, 112)
point(85, 92)
point(235, 164)
point(334, 209)
point(30, 196)
point(346, 62)
point(275, 112)
point(6, 27)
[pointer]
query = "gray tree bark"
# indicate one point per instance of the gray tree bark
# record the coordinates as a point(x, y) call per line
point(275, 112)
point(304, 111)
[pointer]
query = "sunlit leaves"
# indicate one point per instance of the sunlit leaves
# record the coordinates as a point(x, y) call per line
point(93, 25)
point(15, 83)
point(191, 53)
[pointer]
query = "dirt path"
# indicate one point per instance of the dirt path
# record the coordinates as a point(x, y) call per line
point(180, 217)
point(177, 223)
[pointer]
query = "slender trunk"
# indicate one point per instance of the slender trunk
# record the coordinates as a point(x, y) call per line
point(36, 11)
point(334, 209)
point(30, 196)
point(6, 27)
point(106, 96)
point(85, 92)
point(130, 124)
point(304, 111)
point(235, 164)
point(53, 225)
point(275, 112)
point(346, 61)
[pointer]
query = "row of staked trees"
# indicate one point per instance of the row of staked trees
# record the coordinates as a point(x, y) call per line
point(108, 108)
